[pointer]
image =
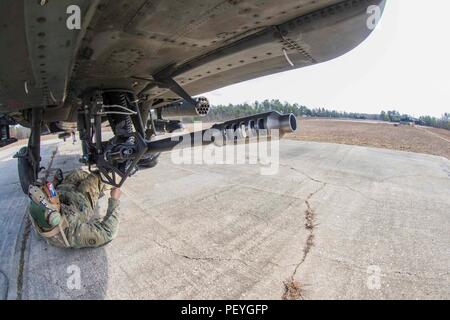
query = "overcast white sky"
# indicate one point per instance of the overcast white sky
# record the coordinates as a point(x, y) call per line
point(403, 65)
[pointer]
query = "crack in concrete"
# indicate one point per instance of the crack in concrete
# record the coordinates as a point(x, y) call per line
point(331, 184)
point(219, 259)
point(293, 290)
point(250, 213)
point(185, 256)
point(304, 174)
point(356, 191)
point(402, 177)
point(23, 247)
point(281, 266)
point(171, 250)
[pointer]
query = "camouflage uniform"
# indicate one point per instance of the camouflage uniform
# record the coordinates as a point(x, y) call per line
point(78, 194)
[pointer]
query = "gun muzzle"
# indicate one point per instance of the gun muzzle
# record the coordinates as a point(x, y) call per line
point(183, 108)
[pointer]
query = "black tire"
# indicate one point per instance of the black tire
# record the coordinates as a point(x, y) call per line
point(148, 161)
point(26, 171)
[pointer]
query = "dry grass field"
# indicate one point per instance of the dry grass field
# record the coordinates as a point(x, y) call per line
point(375, 134)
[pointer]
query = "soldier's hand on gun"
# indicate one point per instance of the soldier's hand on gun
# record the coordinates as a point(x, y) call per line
point(116, 193)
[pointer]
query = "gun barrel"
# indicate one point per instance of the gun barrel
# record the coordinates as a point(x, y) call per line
point(268, 121)
point(234, 131)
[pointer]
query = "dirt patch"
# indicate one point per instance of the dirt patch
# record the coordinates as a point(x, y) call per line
point(309, 225)
point(293, 290)
point(375, 134)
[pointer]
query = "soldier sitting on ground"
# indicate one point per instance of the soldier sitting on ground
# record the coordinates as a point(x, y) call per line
point(62, 211)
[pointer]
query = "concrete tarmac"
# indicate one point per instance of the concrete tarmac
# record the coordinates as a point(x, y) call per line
point(335, 222)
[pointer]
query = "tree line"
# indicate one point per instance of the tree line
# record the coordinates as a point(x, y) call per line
point(226, 112)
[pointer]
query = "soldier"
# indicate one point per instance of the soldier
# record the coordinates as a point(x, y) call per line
point(64, 216)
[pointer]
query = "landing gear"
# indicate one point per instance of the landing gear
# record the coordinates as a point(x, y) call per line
point(26, 172)
point(126, 152)
point(29, 157)
point(122, 124)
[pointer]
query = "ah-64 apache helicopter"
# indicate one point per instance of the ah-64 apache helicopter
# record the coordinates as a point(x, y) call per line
point(135, 63)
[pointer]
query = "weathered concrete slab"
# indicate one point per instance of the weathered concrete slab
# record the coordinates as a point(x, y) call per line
point(331, 218)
